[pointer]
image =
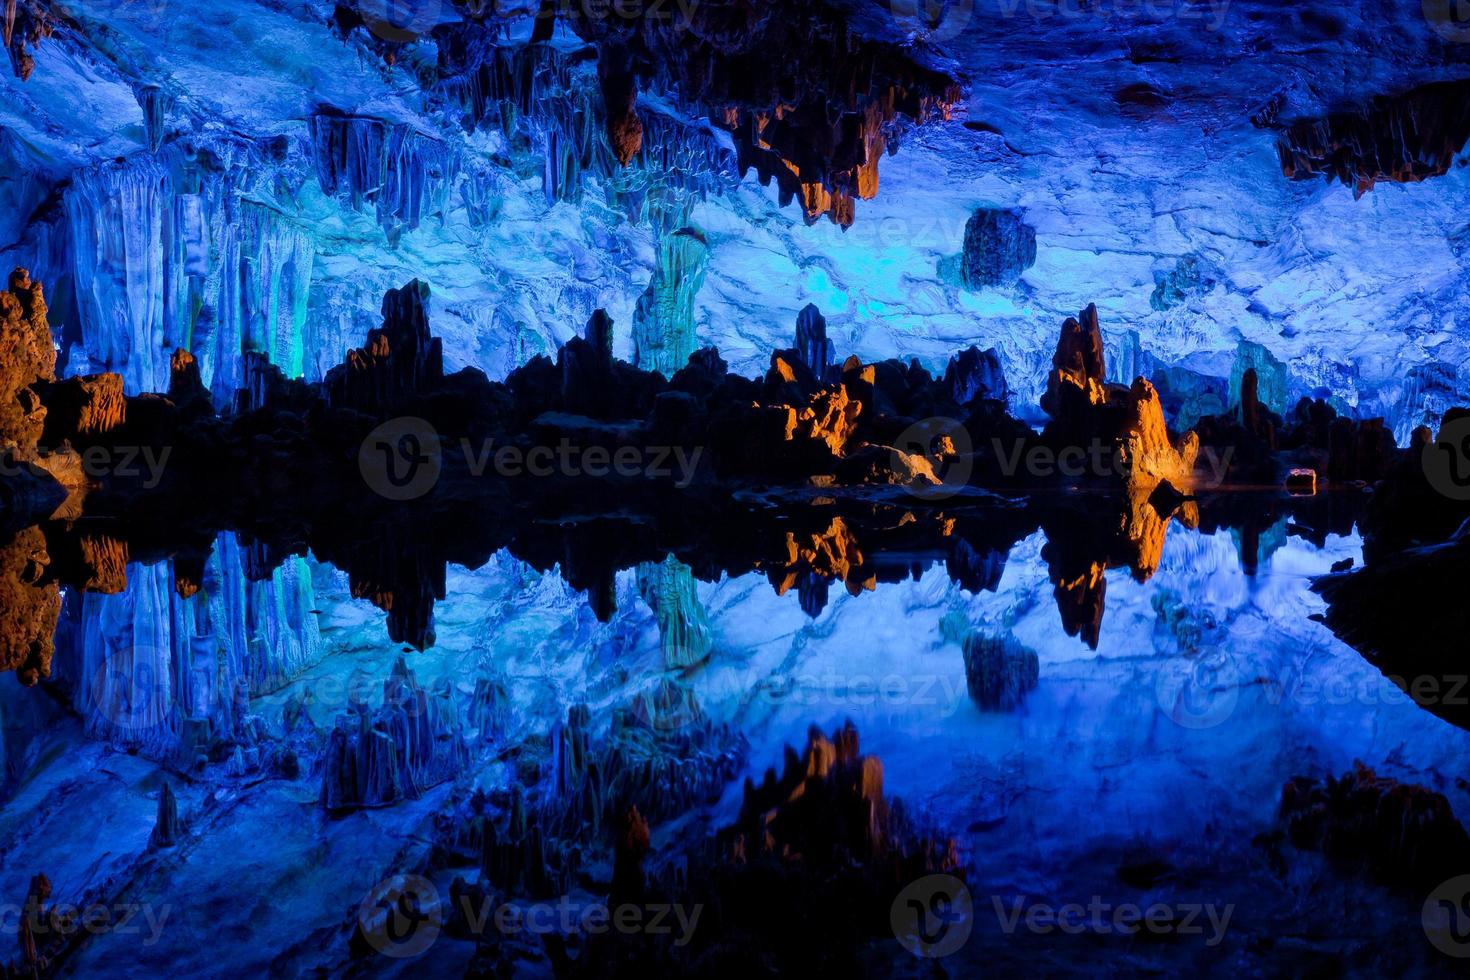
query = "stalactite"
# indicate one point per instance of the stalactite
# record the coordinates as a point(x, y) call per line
point(156, 104)
point(169, 246)
point(405, 174)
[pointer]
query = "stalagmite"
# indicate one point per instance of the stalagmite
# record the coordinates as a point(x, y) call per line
point(663, 320)
point(166, 827)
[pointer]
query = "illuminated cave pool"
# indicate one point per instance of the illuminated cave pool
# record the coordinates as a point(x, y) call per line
point(1136, 774)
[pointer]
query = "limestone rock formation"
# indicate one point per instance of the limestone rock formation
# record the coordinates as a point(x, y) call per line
point(973, 373)
point(999, 671)
point(670, 590)
point(82, 408)
point(24, 23)
point(401, 358)
point(999, 246)
point(30, 357)
point(813, 348)
point(166, 827)
point(1397, 832)
point(1088, 412)
point(1407, 137)
point(27, 639)
point(377, 757)
point(663, 320)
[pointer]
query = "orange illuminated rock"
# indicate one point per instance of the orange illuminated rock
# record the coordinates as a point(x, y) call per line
point(80, 409)
point(31, 610)
point(1088, 413)
point(29, 359)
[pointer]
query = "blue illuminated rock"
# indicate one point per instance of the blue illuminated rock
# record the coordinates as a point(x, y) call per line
point(999, 246)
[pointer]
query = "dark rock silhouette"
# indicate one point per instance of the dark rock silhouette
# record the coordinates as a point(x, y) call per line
point(166, 827)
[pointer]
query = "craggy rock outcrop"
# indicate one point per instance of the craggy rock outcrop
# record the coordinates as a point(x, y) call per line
point(973, 373)
point(1399, 833)
point(83, 408)
point(29, 358)
point(400, 359)
point(1403, 138)
point(817, 850)
point(999, 671)
point(27, 640)
point(999, 246)
point(1264, 448)
point(1088, 412)
point(826, 809)
point(659, 759)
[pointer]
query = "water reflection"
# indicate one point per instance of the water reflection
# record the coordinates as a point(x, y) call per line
point(1143, 765)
